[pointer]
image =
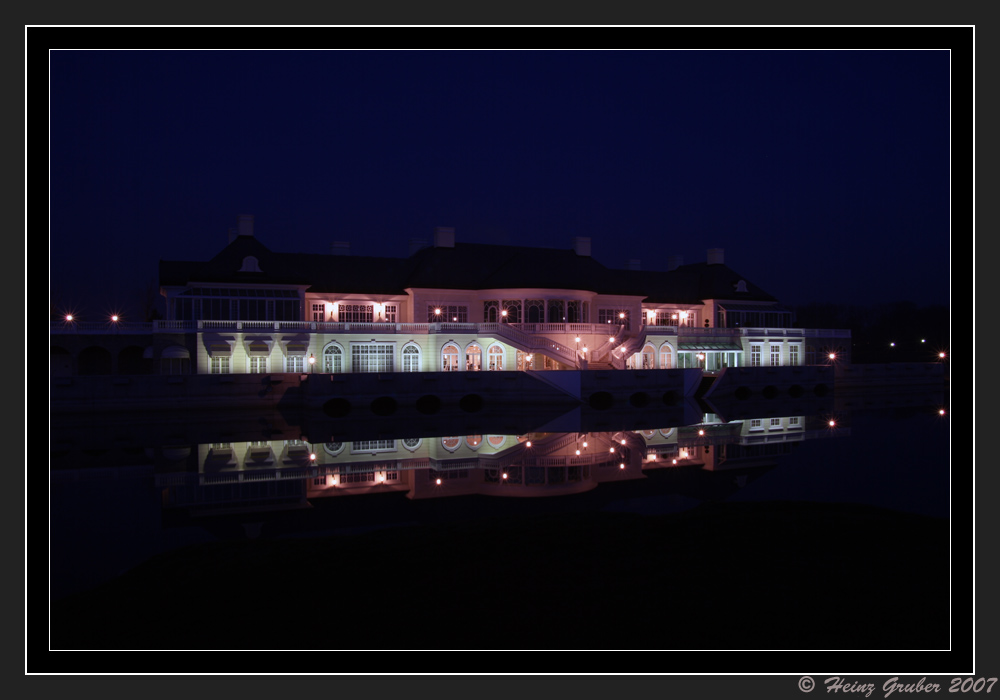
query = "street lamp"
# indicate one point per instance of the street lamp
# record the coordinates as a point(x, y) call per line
point(312, 363)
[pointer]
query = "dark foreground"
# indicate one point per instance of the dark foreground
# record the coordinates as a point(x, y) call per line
point(721, 576)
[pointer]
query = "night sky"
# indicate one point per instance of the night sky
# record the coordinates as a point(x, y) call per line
point(824, 174)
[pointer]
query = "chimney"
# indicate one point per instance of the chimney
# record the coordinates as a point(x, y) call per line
point(417, 244)
point(581, 244)
point(246, 225)
point(444, 237)
point(340, 248)
point(632, 265)
point(674, 261)
point(715, 256)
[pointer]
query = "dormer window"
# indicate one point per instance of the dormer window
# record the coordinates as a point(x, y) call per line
point(741, 286)
point(250, 264)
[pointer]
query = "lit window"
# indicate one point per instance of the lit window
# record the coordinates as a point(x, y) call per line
point(333, 359)
point(793, 355)
point(220, 365)
point(372, 357)
point(473, 358)
point(295, 363)
point(495, 355)
point(411, 358)
point(257, 364)
point(775, 355)
point(449, 358)
point(666, 357)
point(755, 356)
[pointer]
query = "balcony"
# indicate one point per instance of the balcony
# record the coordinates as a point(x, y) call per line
point(134, 328)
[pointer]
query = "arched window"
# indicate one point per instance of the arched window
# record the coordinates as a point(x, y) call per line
point(451, 443)
point(648, 357)
point(666, 356)
point(449, 358)
point(333, 359)
point(473, 358)
point(495, 355)
point(491, 311)
point(411, 358)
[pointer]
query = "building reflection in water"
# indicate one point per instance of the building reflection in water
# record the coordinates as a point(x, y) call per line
point(293, 473)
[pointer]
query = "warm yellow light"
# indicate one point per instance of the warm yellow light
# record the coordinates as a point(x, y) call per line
point(437, 312)
point(312, 456)
point(941, 355)
point(684, 314)
point(437, 481)
point(832, 423)
point(675, 461)
point(578, 339)
point(528, 443)
point(622, 465)
point(673, 316)
point(114, 318)
point(833, 356)
point(312, 359)
point(584, 348)
point(941, 412)
point(504, 312)
point(578, 453)
point(612, 449)
point(504, 475)
point(621, 315)
point(69, 317)
point(701, 432)
point(892, 345)
point(584, 443)
point(611, 338)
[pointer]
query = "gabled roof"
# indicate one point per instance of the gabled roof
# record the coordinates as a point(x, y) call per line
point(465, 266)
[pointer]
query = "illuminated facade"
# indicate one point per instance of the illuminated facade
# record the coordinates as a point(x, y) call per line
point(454, 306)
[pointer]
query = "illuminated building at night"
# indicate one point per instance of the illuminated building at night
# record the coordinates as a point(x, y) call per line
point(453, 306)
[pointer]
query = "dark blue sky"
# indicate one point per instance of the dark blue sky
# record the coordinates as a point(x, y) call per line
point(823, 174)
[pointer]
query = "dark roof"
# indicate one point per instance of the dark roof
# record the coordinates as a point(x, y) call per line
point(465, 266)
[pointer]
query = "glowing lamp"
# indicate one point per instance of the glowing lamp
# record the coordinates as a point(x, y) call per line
point(621, 315)
point(504, 475)
point(611, 338)
point(578, 339)
point(437, 481)
point(312, 359)
point(941, 412)
point(833, 356)
point(114, 318)
point(892, 345)
point(69, 317)
point(528, 443)
point(832, 423)
point(622, 465)
point(612, 449)
point(578, 453)
point(312, 456)
point(675, 461)
point(437, 312)
point(941, 355)
point(701, 432)
point(504, 312)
